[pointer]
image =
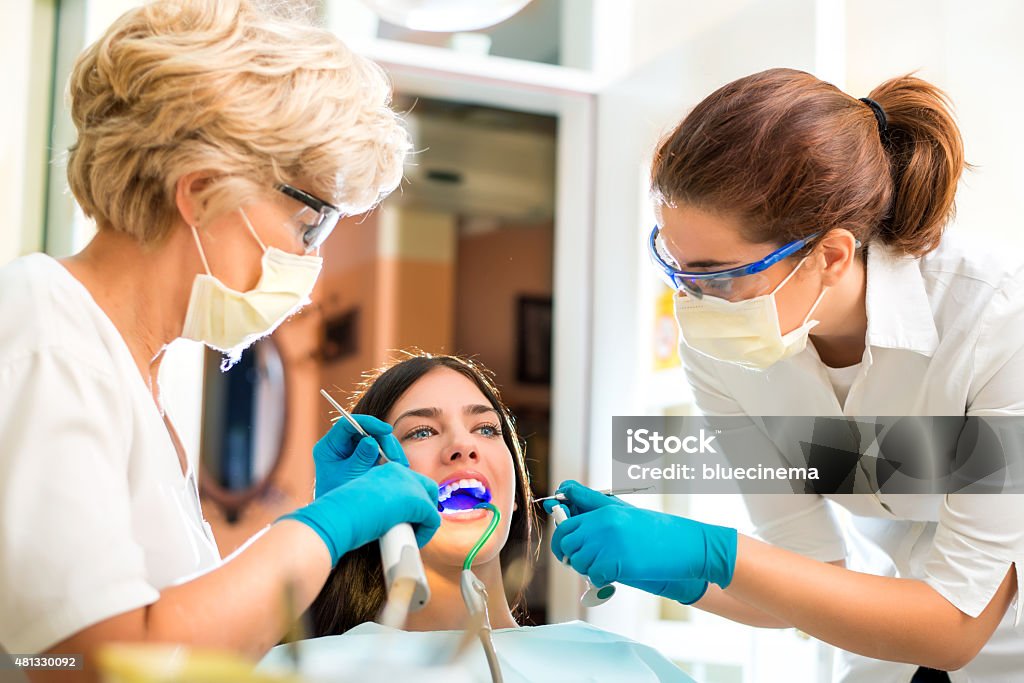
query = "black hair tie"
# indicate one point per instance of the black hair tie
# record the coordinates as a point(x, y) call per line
point(883, 120)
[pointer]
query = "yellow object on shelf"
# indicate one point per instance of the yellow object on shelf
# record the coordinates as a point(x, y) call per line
point(666, 332)
point(150, 663)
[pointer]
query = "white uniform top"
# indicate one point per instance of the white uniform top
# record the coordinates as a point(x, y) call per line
point(841, 380)
point(945, 337)
point(96, 516)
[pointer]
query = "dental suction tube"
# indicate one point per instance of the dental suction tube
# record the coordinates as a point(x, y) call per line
point(474, 595)
point(404, 577)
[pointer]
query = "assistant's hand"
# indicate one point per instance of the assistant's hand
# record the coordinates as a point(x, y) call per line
point(685, 591)
point(343, 454)
point(612, 541)
point(352, 515)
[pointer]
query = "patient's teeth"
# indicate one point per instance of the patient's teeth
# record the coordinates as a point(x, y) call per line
point(445, 492)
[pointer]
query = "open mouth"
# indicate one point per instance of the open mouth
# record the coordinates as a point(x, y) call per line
point(461, 494)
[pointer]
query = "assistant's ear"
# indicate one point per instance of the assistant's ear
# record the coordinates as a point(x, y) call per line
point(837, 251)
point(187, 193)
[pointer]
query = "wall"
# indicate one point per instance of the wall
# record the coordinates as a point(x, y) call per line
point(495, 268)
point(349, 282)
point(416, 280)
point(973, 51)
point(26, 35)
point(395, 266)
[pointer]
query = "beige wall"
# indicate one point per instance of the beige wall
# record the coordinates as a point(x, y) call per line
point(396, 267)
point(416, 280)
point(417, 305)
point(349, 281)
point(494, 269)
point(429, 291)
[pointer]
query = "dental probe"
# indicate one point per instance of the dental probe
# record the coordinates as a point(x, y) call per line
point(607, 492)
point(406, 582)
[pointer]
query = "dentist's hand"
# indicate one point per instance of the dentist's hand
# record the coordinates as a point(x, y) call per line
point(364, 509)
point(343, 454)
point(612, 541)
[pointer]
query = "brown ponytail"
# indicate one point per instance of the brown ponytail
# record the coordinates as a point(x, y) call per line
point(926, 156)
point(791, 155)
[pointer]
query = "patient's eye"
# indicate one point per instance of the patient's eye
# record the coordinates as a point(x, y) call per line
point(419, 433)
point(489, 430)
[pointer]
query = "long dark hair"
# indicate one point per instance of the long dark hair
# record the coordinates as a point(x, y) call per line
point(354, 592)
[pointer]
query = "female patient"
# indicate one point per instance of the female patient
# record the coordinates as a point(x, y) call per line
point(453, 427)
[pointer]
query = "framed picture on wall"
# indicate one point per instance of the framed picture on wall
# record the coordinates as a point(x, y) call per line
point(533, 340)
point(341, 336)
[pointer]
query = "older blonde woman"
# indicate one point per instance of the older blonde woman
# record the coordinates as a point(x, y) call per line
point(217, 147)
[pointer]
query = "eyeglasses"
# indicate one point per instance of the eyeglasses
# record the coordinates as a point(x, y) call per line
point(732, 284)
point(317, 218)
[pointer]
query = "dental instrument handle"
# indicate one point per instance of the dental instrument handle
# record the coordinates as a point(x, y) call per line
point(557, 496)
point(621, 492)
point(593, 596)
point(474, 595)
point(558, 514)
point(473, 592)
point(400, 558)
point(399, 554)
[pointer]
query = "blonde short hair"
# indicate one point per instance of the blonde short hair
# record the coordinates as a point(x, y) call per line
point(218, 86)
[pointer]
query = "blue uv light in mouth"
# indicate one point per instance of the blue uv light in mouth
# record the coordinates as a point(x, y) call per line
point(465, 494)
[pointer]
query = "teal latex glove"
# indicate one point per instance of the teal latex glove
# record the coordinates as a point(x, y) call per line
point(612, 541)
point(685, 591)
point(343, 454)
point(363, 510)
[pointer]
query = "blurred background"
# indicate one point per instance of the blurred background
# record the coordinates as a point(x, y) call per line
point(518, 238)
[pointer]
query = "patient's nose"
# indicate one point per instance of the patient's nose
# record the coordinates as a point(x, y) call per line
point(460, 449)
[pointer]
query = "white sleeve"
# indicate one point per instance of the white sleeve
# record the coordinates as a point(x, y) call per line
point(68, 558)
point(799, 522)
point(980, 536)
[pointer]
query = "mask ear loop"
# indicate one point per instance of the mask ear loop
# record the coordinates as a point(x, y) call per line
point(816, 301)
point(252, 229)
point(202, 255)
point(788, 277)
point(814, 306)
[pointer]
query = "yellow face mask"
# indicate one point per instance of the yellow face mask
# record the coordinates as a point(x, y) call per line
point(745, 333)
point(231, 321)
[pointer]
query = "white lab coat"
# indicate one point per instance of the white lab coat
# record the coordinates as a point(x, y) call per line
point(945, 337)
point(96, 516)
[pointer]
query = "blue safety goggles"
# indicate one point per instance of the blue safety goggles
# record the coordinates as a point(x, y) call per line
point(733, 284)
